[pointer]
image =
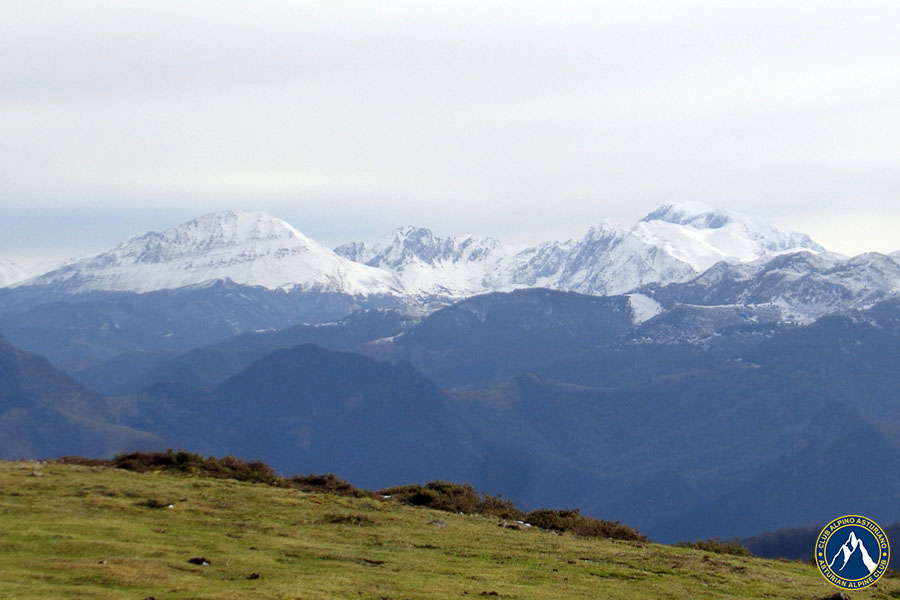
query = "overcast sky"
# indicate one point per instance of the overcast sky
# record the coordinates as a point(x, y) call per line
point(524, 120)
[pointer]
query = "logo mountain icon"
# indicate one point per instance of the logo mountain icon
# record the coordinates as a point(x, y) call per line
point(854, 547)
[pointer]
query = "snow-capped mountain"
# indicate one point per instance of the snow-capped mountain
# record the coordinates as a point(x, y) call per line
point(700, 236)
point(709, 257)
point(431, 265)
point(673, 243)
point(802, 286)
point(249, 248)
point(608, 260)
point(11, 273)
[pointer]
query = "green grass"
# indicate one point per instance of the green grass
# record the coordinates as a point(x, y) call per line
point(98, 532)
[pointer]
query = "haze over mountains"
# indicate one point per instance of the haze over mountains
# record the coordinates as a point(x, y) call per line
point(11, 273)
point(672, 374)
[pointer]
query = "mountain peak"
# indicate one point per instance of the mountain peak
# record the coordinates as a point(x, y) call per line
point(694, 214)
point(236, 226)
point(702, 236)
point(606, 229)
point(408, 231)
point(246, 247)
point(455, 266)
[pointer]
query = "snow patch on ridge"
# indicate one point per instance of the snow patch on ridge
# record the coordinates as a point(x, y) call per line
point(643, 308)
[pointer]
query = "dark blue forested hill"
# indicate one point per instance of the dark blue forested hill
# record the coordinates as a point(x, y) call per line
point(675, 438)
point(78, 330)
point(308, 409)
point(740, 427)
point(209, 365)
point(498, 335)
point(479, 339)
point(44, 413)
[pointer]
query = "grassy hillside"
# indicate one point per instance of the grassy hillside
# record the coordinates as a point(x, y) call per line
point(97, 532)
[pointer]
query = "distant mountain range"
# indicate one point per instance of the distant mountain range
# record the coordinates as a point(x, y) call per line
point(552, 398)
point(248, 248)
point(696, 366)
point(672, 243)
point(232, 272)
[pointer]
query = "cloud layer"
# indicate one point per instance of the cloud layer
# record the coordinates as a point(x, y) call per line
point(526, 120)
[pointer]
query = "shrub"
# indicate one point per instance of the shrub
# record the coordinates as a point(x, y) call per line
point(557, 520)
point(227, 467)
point(498, 507)
point(614, 530)
point(574, 522)
point(716, 545)
point(453, 497)
point(326, 484)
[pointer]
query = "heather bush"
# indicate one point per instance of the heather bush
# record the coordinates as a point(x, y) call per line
point(557, 520)
point(573, 521)
point(453, 497)
point(614, 530)
point(228, 467)
point(716, 545)
point(326, 484)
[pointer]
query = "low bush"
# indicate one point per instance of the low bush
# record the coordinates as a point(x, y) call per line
point(453, 497)
point(716, 545)
point(613, 530)
point(326, 484)
point(557, 520)
point(227, 467)
point(573, 521)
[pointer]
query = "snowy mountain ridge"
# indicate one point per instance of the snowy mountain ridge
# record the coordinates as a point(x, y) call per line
point(673, 243)
point(801, 286)
point(430, 265)
point(247, 247)
point(678, 254)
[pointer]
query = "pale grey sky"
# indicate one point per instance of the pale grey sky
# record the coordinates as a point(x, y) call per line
point(524, 120)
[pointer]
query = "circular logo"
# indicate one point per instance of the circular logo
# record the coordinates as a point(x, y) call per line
point(852, 552)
